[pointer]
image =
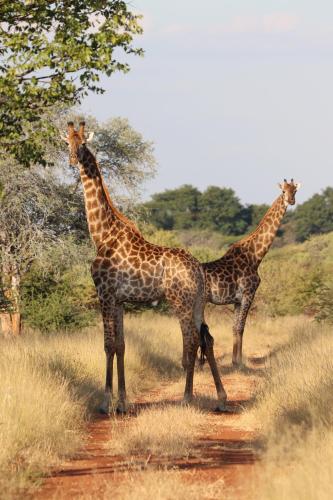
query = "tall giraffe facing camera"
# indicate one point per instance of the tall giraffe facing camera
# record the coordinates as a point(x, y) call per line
point(128, 268)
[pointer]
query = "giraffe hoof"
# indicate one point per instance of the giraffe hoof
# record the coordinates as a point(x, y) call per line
point(121, 411)
point(106, 404)
point(237, 364)
point(121, 408)
point(221, 408)
point(103, 411)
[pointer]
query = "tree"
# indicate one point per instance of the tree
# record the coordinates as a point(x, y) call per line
point(124, 156)
point(31, 215)
point(315, 215)
point(175, 208)
point(221, 210)
point(40, 206)
point(254, 214)
point(51, 54)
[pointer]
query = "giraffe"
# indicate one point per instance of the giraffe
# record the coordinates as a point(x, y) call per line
point(234, 278)
point(127, 268)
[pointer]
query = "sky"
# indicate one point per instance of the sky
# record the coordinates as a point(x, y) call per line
point(232, 93)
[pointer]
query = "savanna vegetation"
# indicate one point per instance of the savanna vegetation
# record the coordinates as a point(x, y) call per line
point(218, 209)
point(51, 377)
point(293, 410)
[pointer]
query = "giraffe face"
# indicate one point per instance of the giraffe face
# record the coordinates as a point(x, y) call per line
point(76, 141)
point(289, 190)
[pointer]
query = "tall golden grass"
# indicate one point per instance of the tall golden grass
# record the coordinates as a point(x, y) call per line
point(164, 430)
point(166, 485)
point(294, 408)
point(50, 385)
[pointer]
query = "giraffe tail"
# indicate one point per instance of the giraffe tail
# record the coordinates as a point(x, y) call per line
point(205, 339)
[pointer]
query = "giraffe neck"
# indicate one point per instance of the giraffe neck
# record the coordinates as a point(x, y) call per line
point(260, 240)
point(102, 215)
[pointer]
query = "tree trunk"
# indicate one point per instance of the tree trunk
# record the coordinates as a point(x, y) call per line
point(6, 324)
point(11, 324)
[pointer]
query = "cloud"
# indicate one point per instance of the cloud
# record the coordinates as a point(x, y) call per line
point(270, 23)
point(281, 22)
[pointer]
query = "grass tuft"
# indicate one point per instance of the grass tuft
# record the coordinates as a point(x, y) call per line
point(164, 431)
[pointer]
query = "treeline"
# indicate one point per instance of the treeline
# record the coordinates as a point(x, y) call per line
point(219, 209)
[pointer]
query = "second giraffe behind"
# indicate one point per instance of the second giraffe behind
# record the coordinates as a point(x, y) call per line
point(234, 278)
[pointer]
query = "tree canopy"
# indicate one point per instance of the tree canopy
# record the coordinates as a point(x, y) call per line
point(187, 208)
point(51, 54)
point(315, 215)
point(41, 207)
point(221, 210)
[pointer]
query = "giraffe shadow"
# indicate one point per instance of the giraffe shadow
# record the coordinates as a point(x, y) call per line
point(203, 403)
point(86, 388)
point(160, 363)
point(245, 369)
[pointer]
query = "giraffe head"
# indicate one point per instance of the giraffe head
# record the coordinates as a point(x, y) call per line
point(289, 190)
point(76, 140)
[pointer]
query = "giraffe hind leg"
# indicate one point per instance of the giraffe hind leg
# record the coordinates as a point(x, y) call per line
point(120, 353)
point(205, 338)
point(207, 350)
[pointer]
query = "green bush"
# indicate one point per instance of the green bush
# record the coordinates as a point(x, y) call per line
point(297, 279)
point(67, 303)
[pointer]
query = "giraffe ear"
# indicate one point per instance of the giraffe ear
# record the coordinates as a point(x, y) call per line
point(298, 185)
point(64, 138)
point(90, 137)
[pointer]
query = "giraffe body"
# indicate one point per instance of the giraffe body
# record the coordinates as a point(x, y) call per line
point(234, 278)
point(127, 268)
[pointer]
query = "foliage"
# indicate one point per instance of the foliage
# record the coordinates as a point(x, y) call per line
point(175, 208)
point(125, 158)
point(297, 279)
point(35, 210)
point(54, 305)
point(315, 215)
point(187, 208)
point(123, 154)
point(221, 210)
point(58, 292)
point(52, 54)
point(40, 207)
point(255, 214)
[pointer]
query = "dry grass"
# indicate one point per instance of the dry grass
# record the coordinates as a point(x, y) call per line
point(298, 390)
point(166, 485)
point(50, 385)
point(295, 412)
point(163, 431)
point(39, 420)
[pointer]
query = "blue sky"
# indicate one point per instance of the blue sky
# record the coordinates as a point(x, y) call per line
point(233, 93)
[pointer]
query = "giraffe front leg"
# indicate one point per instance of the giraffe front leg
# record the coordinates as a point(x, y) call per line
point(120, 353)
point(185, 359)
point(107, 400)
point(108, 313)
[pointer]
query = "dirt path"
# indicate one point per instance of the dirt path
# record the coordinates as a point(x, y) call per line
point(226, 450)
